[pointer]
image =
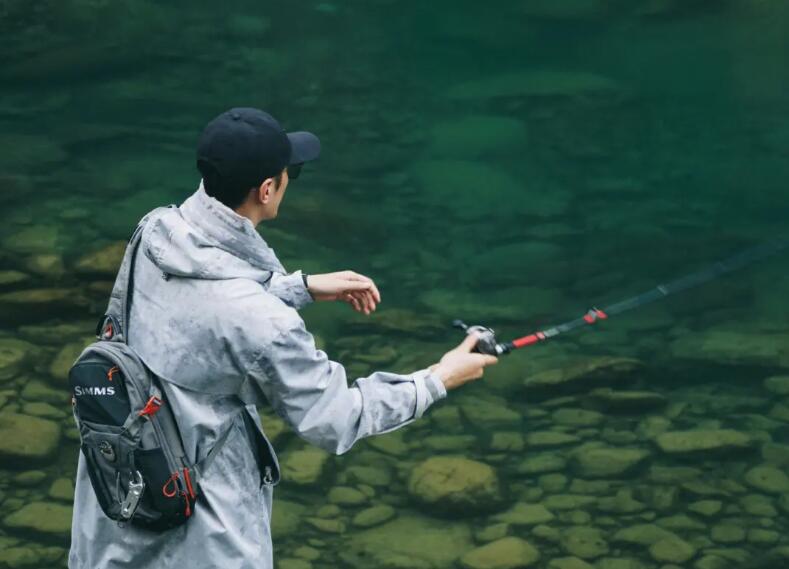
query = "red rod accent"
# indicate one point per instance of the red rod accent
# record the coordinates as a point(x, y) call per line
point(527, 340)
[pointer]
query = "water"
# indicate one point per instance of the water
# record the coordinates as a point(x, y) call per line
point(510, 165)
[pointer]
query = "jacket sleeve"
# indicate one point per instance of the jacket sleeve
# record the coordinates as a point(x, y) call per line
point(290, 289)
point(311, 392)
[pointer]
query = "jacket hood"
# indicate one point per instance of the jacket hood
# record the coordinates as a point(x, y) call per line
point(205, 239)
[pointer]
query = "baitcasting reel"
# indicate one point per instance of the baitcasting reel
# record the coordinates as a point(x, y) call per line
point(487, 343)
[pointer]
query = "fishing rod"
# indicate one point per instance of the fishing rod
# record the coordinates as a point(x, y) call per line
point(488, 344)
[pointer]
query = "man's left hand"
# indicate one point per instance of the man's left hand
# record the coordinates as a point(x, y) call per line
point(355, 289)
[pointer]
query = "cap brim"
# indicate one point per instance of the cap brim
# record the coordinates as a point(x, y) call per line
point(304, 146)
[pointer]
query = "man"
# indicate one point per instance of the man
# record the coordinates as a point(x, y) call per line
point(214, 314)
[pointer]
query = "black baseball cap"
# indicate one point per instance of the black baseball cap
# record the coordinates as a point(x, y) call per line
point(245, 146)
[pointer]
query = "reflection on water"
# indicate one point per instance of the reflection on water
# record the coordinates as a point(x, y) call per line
point(509, 166)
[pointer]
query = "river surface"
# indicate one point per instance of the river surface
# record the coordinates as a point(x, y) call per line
point(512, 164)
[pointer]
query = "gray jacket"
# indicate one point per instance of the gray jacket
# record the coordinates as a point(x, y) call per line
point(214, 314)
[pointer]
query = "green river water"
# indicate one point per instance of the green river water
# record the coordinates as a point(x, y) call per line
point(508, 163)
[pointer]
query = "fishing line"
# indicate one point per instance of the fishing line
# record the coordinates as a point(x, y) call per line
point(488, 344)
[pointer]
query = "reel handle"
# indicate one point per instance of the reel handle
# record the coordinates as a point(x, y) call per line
point(487, 343)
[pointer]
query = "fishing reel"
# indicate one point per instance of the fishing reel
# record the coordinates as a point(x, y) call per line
point(487, 343)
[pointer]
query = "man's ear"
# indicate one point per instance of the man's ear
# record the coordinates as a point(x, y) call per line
point(265, 190)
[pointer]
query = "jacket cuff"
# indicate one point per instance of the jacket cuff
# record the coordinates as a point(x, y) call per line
point(429, 389)
point(290, 289)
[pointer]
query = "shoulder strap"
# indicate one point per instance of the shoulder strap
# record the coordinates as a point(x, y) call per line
point(114, 325)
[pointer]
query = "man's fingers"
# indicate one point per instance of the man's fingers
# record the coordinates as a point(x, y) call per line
point(356, 277)
point(468, 342)
point(488, 360)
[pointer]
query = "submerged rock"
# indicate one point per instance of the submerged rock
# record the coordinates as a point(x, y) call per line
point(736, 347)
point(537, 84)
point(408, 542)
point(584, 542)
point(41, 303)
point(477, 135)
point(524, 514)
point(64, 359)
point(286, 517)
point(14, 354)
point(613, 401)
point(374, 516)
point(703, 442)
point(455, 485)
point(45, 518)
point(304, 467)
point(11, 278)
point(777, 384)
point(581, 377)
point(504, 553)
point(768, 479)
point(26, 440)
point(607, 462)
point(672, 550)
point(105, 261)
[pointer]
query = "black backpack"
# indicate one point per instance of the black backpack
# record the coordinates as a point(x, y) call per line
point(129, 436)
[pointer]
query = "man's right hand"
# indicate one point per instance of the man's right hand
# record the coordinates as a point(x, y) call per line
point(459, 365)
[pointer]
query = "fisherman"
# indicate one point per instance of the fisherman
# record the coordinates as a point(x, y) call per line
point(214, 315)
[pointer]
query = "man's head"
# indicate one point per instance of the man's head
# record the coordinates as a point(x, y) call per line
point(244, 156)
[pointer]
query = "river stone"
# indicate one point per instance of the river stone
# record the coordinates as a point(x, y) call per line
point(45, 410)
point(20, 558)
point(582, 376)
point(46, 265)
point(576, 417)
point(767, 479)
point(64, 359)
point(40, 304)
point(759, 505)
point(507, 441)
point(584, 542)
point(374, 516)
point(45, 518)
point(706, 508)
point(642, 534)
point(476, 135)
point(536, 84)
point(548, 439)
point(505, 553)
point(37, 390)
point(485, 414)
point(292, 563)
point(672, 550)
point(613, 401)
point(703, 442)
point(779, 412)
point(346, 496)
point(569, 563)
point(34, 239)
point(727, 532)
point(14, 354)
point(304, 467)
point(378, 475)
point(523, 514)
point(104, 261)
point(607, 462)
point(734, 347)
point(408, 542)
point(491, 533)
point(450, 484)
point(26, 440)
point(625, 563)
point(763, 536)
point(326, 526)
point(777, 384)
point(62, 489)
point(541, 463)
point(9, 278)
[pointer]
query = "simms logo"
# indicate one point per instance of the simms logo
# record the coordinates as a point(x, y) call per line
point(79, 390)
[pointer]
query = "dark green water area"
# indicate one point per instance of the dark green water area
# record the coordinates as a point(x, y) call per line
point(508, 163)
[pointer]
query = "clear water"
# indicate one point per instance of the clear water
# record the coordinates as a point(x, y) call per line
point(509, 164)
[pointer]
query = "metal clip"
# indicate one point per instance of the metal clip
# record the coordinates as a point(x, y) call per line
point(267, 478)
point(132, 499)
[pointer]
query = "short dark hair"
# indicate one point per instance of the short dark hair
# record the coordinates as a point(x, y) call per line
point(229, 192)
